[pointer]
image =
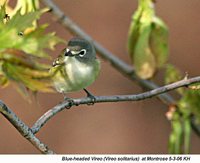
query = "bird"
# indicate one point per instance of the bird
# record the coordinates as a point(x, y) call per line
point(75, 68)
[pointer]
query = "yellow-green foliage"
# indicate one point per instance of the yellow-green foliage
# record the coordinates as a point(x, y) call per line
point(22, 46)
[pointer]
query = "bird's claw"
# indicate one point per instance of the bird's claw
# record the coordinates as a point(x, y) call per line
point(70, 102)
point(93, 100)
point(91, 96)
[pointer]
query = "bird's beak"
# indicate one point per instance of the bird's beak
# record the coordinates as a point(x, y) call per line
point(68, 53)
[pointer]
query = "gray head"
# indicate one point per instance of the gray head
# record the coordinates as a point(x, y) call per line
point(81, 49)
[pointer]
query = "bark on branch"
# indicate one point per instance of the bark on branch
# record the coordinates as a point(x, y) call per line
point(116, 98)
point(23, 129)
point(117, 63)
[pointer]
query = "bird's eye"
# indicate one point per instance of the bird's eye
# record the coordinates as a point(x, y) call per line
point(82, 53)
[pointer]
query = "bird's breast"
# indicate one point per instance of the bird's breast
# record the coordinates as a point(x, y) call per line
point(77, 71)
point(75, 75)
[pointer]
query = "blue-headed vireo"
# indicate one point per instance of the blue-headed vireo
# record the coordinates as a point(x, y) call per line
point(76, 67)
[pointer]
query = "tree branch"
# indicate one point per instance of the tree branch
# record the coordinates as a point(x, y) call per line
point(118, 64)
point(117, 98)
point(23, 129)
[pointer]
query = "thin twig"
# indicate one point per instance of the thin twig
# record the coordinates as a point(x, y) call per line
point(23, 129)
point(117, 98)
point(117, 63)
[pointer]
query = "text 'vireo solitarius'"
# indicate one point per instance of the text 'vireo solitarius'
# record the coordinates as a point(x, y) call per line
point(76, 68)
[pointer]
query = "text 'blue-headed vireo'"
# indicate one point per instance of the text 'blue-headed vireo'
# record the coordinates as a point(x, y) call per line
point(76, 68)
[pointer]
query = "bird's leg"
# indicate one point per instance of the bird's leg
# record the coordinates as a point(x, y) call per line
point(69, 100)
point(91, 96)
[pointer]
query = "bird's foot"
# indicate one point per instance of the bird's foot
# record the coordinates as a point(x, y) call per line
point(91, 96)
point(70, 102)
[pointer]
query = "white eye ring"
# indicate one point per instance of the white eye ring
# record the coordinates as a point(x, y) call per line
point(82, 53)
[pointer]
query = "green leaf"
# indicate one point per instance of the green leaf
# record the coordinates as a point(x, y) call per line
point(175, 139)
point(10, 31)
point(187, 133)
point(142, 17)
point(2, 14)
point(149, 30)
point(172, 74)
point(20, 55)
point(21, 22)
point(144, 60)
point(3, 81)
point(20, 58)
point(35, 80)
point(195, 86)
point(27, 6)
point(36, 41)
point(138, 40)
point(159, 41)
point(134, 31)
point(189, 104)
